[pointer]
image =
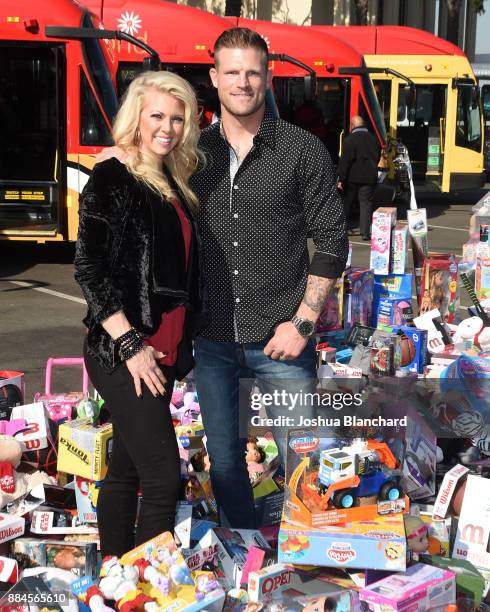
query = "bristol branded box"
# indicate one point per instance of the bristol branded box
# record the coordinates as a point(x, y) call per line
point(376, 544)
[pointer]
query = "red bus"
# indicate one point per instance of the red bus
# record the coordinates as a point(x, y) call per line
point(57, 101)
point(184, 38)
point(442, 124)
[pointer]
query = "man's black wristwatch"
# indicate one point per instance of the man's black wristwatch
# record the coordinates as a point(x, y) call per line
point(305, 327)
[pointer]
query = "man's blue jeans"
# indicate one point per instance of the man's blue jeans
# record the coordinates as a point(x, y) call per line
point(219, 368)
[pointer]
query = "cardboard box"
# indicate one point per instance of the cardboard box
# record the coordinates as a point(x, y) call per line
point(358, 297)
point(420, 588)
point(469, 582)
point(31, 593)
point(482, 278)
point(375, 544)
point(390, 287)
point(36, 436)
point(231, 546)
point(384, 219)
point(11, 526)
point(447, 490)
point(399, 249)
point(57, 522)
point(77, 557)
point(418, 339)
point(86, 492)
point(473, 533)
point(84, 449)
point(11, 377)
point(318, 465)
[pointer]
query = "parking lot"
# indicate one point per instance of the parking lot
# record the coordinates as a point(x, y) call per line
point(41, 306)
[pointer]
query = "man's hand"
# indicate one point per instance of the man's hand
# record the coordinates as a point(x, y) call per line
point(286, 343)
point(109, 152)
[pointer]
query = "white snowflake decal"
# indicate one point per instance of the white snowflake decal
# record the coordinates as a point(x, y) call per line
point(129, 23)
point(267, 41)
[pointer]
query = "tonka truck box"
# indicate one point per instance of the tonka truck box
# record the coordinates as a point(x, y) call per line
point(84, 449)
point(377, 544)
point(335, 480)
point(420, 588)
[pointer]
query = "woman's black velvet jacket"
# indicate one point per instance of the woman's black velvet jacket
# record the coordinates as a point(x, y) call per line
point(130, 256)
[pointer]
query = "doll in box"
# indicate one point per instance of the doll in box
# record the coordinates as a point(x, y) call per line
point(417, 533)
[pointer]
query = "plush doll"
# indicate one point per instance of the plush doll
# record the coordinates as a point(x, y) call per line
point(120, 583)
point(466, 331)
point(14, 484)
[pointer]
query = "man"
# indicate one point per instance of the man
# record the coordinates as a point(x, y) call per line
point(358, 173)
point(266, 186)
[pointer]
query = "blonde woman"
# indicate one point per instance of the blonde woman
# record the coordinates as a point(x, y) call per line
point(137, 263)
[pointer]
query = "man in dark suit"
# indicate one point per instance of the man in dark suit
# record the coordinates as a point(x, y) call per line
point(358, 172)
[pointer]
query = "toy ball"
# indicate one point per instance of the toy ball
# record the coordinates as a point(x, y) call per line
point(88, 409)
point(408, 350)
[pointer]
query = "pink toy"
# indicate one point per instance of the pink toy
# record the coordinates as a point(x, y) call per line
point(60, 406)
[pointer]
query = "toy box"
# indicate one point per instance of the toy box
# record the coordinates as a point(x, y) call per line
point(420, 588)
point(77, 557)
point(35, 437)
point(469, 582)
point(185, 592)
point(447, 490)
point(11, 527)
point(384, 219)
point(438, 333)
point(397, 287)
point(473, 533)
point(12, 391)
point(84, 449)
point(414, 348)
point(232, 547)
point(482, 278)
point(439, 289)
point(385, 353)
point(375, 544)
point(399, 249)
point(394, 312)
point(331, 317)
point(333, 480)
point(57, 522)
point(86, 492)
point(21, 597)
point(418, 230)
point(358, 297)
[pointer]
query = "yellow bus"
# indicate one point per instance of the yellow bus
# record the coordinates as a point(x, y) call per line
point(430, 101)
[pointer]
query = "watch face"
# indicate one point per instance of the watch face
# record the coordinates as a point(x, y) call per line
point(306, 328)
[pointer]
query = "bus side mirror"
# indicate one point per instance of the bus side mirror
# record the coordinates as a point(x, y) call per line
point(310, 87)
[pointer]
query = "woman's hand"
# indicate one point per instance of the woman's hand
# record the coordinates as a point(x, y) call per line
point(144, 366)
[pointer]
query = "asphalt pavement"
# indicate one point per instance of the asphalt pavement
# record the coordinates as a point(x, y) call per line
point(41, 306)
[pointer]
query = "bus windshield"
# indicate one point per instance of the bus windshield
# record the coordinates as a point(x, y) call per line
point(373, 104)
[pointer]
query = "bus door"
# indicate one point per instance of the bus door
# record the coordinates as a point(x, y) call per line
point(32, 136)
point(485, 97)
point(421, 126)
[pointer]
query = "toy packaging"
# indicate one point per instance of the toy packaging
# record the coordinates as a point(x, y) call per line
point(61, 406)
point(399, 249)
point(413, 348)
point(185, 593)
point(57, 522)
point(232, 547)
point(28, 590)
point(77, 557)
point(384, 219)
point(358, 297)
point(438, 333)
point(84, 449)
point(418, 230)
point(420, 588)
point(11, 527)
point(375, 544)
point(35, 437)
point(482, 278)
point(331, 480)
point(447, 490)
point(12, 391)
point(470, 584)
point(385, 353)
point(439, 289)
point(395, 287)
point(86, 492)
point(331, 317)
point(394, 312)
point(473, 534)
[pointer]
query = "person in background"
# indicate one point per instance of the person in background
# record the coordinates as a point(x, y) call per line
point(138, 266)
point(358, 173)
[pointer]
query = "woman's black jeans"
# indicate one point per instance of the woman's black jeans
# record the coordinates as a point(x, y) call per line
point(144, 450)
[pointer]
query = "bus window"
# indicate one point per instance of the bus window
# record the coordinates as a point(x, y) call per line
point(94, 130)
point(383, 93)
point(468, 127)
point(97, 69)
point(29, 113)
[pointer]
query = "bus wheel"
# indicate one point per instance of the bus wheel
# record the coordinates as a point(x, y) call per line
point(390, 491)
point(344, 499)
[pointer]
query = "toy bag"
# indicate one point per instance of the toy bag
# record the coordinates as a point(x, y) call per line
point(61, 406)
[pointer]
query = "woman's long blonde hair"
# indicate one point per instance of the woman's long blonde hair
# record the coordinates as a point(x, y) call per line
point(184, 157)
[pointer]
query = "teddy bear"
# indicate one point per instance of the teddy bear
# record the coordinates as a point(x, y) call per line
point(13, 483)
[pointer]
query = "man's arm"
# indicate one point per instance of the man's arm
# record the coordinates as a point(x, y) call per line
point(324, 212)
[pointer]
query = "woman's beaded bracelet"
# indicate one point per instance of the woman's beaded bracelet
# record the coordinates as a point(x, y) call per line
point(128, 344)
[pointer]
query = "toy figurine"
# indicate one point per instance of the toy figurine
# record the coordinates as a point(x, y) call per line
point(417, 535)
point(119, 582)
point(255, 457)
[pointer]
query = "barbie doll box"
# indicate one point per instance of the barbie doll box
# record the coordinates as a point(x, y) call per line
point(421, 588)
point(84, 449)
point(399, 249)
point(375, 544)
point(384, 219)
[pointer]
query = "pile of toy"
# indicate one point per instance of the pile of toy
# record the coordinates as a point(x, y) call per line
point(385, 502)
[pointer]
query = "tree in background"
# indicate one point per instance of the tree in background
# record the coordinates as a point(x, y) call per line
point(453, 10)
point(361, 9)
point(233, 8)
